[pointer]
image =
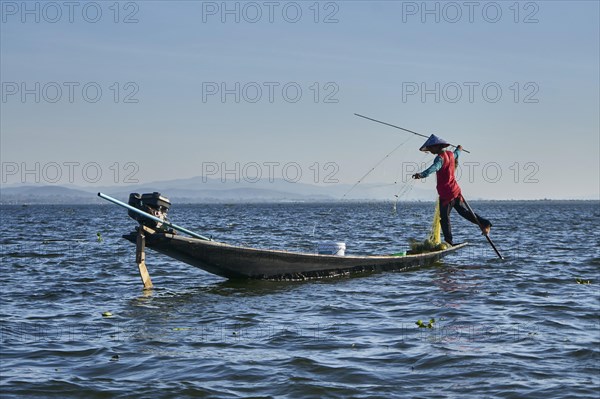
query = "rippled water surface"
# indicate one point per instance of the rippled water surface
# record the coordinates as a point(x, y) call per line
point(526, 327)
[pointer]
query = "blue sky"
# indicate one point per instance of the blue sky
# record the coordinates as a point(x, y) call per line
point(538, 138)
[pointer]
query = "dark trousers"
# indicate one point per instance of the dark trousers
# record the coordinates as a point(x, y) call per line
point(458, 204)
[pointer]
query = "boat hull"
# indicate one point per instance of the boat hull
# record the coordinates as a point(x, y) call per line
point(235, 262)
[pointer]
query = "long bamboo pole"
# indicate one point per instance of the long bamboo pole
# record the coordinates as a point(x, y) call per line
point(401, 128)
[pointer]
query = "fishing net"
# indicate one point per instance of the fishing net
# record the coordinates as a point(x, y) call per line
point(433, 241)
point(436, 226)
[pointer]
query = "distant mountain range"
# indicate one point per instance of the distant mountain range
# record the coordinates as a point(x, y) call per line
point(206, 190)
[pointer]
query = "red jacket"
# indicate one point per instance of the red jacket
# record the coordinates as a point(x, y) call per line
point(447, 187)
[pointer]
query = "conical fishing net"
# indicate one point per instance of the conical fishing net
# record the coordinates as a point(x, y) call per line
point(433, 242)
point(436, 227)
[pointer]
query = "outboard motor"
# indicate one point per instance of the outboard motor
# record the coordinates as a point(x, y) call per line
point(152, 203)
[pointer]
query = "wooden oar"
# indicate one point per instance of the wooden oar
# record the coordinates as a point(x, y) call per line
point(481, 227)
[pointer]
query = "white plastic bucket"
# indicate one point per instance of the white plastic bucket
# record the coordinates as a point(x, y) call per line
point(332, 248)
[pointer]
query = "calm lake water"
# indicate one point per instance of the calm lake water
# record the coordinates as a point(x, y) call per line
point(525, 327)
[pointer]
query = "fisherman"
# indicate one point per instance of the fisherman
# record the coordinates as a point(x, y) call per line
point(448, 189)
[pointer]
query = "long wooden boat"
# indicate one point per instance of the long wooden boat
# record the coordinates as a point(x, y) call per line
point(156, 232)
point(236, 262)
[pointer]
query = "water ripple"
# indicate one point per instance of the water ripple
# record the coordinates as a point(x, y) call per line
point(524, 327)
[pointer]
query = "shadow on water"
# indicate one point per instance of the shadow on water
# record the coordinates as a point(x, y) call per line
point(211, 294)
point(246, 288)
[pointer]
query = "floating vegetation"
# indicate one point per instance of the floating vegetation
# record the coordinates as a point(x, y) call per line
point(580, 281)
point(106, 314)
point(428, 325)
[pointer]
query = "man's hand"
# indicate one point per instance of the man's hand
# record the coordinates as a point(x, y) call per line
point(416, 176)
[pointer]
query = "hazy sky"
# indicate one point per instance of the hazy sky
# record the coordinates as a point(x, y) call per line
point(153, 90)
